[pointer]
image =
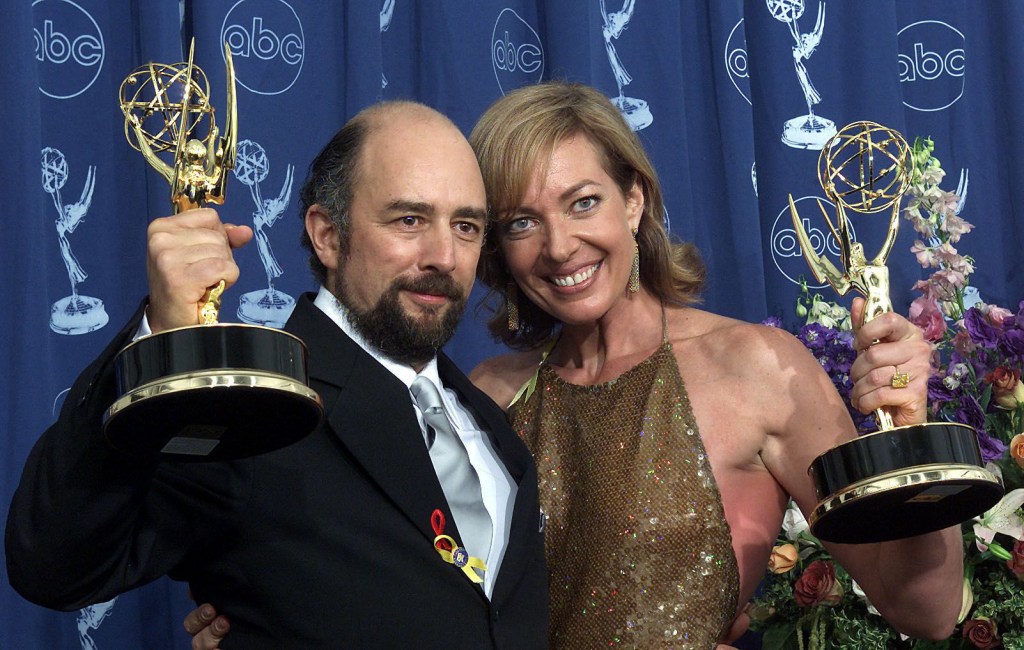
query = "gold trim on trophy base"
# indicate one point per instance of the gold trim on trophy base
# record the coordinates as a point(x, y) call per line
point(937, 473)
point(219, 414)
point(220, 378)
point(891, 497)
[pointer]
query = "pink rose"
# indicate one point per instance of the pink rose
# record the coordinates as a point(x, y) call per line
point(818, 585)
point(925, 313)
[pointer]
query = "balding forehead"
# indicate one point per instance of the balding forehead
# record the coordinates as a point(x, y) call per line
point(392, 112)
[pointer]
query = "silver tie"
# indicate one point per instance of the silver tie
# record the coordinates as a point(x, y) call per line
point(459, 480)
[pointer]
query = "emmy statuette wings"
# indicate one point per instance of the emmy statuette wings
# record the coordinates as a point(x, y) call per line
point(899, 481)
point(211, 391)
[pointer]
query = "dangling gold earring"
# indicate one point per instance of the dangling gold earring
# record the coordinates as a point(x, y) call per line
point(512, 307)
point(634, 274)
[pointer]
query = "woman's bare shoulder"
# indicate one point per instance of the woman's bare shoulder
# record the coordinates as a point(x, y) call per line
point(502, 376)
point(729, 342)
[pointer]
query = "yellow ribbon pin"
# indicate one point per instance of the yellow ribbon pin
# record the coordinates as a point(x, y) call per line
point(460, 557)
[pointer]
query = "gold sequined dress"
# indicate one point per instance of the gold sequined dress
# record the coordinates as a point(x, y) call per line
point(639, 553)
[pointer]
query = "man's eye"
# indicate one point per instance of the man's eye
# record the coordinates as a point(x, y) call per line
point(409, 220)
point(467, 227)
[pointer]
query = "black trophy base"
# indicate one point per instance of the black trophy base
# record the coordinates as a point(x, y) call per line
point(214, 392)
point(900, 483)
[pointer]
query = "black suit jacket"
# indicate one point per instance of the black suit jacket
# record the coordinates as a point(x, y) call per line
point(325, 543)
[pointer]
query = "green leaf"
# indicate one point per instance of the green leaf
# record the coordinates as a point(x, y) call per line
point(782, 636)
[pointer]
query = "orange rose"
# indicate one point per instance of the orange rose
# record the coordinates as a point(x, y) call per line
point(1017, 449)
point(783, 558)
point(818, 585)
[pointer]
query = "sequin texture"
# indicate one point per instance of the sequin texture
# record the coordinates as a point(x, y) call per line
point(638, 549)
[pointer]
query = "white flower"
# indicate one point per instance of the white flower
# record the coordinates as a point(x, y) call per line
point(1002, 518)
point(793, 523)
point(863, 596)
point(828, 314)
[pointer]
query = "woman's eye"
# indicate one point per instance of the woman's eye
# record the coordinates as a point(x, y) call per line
point(517, 225)
point(586, 203)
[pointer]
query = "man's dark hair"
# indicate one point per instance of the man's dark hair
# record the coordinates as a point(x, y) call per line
point(331, 183)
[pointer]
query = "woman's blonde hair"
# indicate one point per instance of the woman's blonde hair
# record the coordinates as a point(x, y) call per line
point(522, 130)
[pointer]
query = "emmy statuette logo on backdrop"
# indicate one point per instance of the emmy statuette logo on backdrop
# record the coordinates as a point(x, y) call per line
point(210, 391)
point(808, 131)
point(386, 13)
point(636, 111)
point(899, 481)
point(74, 314)
point(268, 306)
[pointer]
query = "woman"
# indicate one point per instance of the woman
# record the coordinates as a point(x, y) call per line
point(649, 419)
point(668, 439)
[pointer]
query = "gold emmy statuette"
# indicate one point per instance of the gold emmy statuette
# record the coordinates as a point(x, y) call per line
point(898, 481)
point(212, 391)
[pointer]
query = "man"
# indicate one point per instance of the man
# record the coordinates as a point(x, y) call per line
point(329, 542)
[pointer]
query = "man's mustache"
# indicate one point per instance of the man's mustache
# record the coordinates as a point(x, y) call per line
point(438, 284)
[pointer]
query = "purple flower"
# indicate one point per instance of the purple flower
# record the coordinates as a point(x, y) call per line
point(1018, 320)
point(816, 337)
point(938, 392)
point(991, 448)
point(971, 413)
point(981, 331)
point(1011, 343)
point(773, 321)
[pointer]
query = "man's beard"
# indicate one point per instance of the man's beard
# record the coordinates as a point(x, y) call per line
point(390, 329)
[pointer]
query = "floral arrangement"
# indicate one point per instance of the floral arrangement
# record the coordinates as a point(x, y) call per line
point(807, 601)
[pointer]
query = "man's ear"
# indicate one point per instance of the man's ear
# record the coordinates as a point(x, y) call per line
point(324, 236)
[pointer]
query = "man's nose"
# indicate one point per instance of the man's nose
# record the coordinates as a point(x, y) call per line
point(438, 250)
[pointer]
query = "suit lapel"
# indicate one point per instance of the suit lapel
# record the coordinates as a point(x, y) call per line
point(370, 411)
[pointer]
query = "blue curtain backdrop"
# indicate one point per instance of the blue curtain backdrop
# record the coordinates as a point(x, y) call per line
point(716, 89)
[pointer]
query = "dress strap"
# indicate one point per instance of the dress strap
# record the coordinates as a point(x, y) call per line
point(527, 389)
